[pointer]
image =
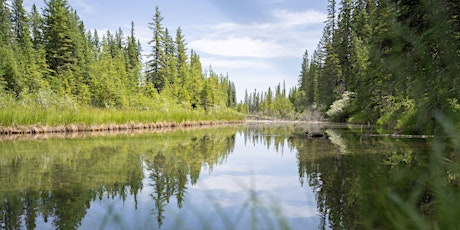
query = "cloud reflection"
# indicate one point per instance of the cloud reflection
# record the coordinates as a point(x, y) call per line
point(231, 191)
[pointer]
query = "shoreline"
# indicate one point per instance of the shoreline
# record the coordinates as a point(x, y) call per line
point(84, 128)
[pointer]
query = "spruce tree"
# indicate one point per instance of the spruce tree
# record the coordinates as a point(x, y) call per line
point(194, 85)
point(10, 74)
point(36, 27)
point(343, 43)
point(182, 58)
point(156, 64)
point(134, 64)
point(60, 45)
point(170, 70)
point(305, 82)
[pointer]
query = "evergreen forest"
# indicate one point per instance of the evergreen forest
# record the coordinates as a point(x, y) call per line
point(394, 63)
point(50, 63)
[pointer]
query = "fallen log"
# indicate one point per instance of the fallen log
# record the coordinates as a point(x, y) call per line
point(400, 136)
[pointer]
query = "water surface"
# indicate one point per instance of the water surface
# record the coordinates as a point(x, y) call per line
point(239, 177)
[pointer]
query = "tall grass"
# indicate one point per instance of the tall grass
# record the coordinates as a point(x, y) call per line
point(63, 111)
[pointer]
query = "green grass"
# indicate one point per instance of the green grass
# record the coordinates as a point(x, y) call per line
point(98, 116)
point(65, 112)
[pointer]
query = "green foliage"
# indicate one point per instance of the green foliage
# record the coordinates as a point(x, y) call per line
point(61, 186)
point(359, 118)
point(10, 75)
point(51, 57)
point(341, 109)
point(48, 108)
point(273, 104)
point(399, 57)
point(400, 114)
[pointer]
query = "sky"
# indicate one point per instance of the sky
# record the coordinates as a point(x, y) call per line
point(258, 43)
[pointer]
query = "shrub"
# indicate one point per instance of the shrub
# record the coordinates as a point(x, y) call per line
point(341, 109)
point(399, 114)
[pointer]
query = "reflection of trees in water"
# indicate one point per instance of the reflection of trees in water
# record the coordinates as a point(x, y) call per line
point(350, 179)
point(350, 173)
point(58, 179)
point(169, 171)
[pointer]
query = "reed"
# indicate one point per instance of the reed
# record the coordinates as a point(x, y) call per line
point(16, 113)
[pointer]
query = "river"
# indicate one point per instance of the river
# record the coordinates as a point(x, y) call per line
point(252, 176)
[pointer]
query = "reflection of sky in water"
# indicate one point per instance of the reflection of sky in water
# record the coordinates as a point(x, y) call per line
point(223, 196)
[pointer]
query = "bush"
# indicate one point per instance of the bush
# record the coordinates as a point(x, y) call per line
point(399, 114)
point(341, 109)
point(359, 118)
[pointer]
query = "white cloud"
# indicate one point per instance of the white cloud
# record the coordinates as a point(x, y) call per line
point(234, 190)
point(300, 18)
point(82, 5)
point(285, 36)
point(230, 64)
point(241, 47)
point(242, 184)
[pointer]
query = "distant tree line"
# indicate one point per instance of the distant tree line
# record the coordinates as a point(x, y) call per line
point(274, 103)
point(50, 54)
point(387, 62)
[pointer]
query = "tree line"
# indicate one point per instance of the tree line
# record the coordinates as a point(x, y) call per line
point(50, 54)
point(274, 103)
point(387, 62)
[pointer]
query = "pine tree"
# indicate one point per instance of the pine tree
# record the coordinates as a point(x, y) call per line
point(134, 63)
point(182, 59)
point(170, 71)
point(342, 43)
point(331, 76)
point(156, 65)
point(181, 49)
point(5, 23)
point(31, 62)
point(10, 74)
point(331, 22)
point(194, 85)
point(36, 26)
point(60, 31)
point(305, 83)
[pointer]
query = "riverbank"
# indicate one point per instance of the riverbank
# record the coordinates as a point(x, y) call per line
point(75, 128)
point(36, 119)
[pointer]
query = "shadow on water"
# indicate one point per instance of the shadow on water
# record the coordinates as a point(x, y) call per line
point(100, 180)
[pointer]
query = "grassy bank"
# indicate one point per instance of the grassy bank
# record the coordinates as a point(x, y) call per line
point(98, 116)
point(25, 116)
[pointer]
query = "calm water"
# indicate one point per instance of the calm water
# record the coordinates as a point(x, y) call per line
point(240, 177)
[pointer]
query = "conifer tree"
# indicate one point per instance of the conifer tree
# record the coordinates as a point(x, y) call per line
point(10, 75)
point(36, 26)
point(60, 32)
point(305, 83)
point(134, 63)
point(33, 66)
point(342, 45)
point(182, 58)
point(170, 70)
point(194, 85)
point(156, 65)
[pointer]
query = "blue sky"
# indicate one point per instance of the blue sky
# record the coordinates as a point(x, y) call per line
point(259, 43)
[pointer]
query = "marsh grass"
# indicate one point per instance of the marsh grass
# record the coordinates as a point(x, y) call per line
point(64, 111)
